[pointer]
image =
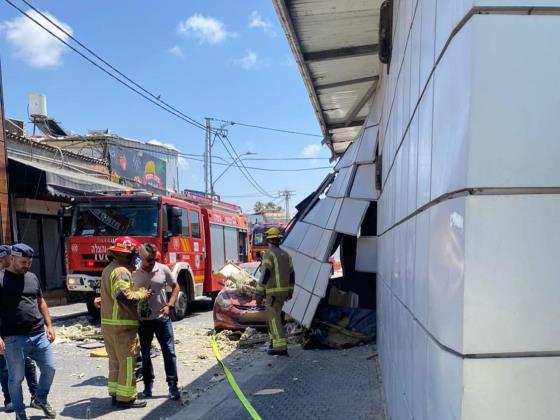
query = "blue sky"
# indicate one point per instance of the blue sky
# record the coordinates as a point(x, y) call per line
point(222, 58)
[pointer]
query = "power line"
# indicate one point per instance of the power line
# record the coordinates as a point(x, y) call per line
point(171, 110)
point(288, 158)
point(315, 168)
point(198, 158)
point(242, 168)
point(195, 155)
point(248, 195)
point(281, 130)
point(237, 162)
point(243, 165)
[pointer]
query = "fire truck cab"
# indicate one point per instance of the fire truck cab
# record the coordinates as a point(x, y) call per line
point(259, 245)
point(196, 236)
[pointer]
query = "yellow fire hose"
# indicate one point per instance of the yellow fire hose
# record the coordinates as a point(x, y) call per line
point(240, 396)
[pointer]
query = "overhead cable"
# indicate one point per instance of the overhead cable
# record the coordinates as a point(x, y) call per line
point(156, 101)
point(281, 130)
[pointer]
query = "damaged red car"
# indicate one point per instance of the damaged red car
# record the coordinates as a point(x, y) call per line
point(236, 311)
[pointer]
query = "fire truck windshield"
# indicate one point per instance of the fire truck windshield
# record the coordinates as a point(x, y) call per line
point(115, 218)
point(259, 236)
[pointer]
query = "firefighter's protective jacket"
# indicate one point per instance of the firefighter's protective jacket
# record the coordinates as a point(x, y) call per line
point(279, 280)
point(118, 300)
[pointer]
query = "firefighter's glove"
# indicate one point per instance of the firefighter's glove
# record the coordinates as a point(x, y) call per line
point(259, 294)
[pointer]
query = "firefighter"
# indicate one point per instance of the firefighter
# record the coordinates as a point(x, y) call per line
point(120, 320)
point(275, 288)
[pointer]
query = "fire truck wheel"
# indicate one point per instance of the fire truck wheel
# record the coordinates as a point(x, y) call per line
point(181, 305)
point(92, 310)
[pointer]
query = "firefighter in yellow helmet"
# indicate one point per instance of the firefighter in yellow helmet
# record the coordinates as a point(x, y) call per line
point(120, 320)
point(276, 287)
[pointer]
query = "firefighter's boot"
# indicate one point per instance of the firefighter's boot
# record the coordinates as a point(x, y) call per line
point(131, 404)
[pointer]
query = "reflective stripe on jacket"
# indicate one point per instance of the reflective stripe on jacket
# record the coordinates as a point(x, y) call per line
point(279, 264)
point(117, 279)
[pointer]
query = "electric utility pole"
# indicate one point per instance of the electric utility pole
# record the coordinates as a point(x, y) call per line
point(208, 144)
point(286, 194)
point(207, 156)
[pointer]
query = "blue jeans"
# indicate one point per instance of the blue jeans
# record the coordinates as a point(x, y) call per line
point(30, 377)
point(163, 330)
point(38, 348)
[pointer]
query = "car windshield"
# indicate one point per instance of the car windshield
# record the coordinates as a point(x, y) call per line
point(253, 269)
point(114, 219)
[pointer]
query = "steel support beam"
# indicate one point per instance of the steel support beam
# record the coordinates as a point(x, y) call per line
point(347, 82)
point(355, 123)
point(339, 53)
point(360, 104)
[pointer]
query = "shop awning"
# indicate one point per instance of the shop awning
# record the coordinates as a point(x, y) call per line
point(63, 182)
point(335, 45)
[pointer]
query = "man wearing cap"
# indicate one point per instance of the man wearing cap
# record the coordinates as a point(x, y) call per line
point(120, 320)
point(156, 277)
point(30, 371)
point(26, 330)
point(276, 286)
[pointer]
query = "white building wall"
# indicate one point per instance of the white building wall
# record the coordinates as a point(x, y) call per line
point(468, 221)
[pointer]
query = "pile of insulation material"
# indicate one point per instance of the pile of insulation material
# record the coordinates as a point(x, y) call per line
point(239, 279)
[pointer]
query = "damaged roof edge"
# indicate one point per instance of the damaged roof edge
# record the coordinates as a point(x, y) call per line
point(286, 22)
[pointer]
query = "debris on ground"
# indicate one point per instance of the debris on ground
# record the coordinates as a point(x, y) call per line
point(99, 353)
point(251, 337)
point(91, 346)
point(293, 328)
point(228, 335)
point(185, 396)
point(269, 391)
point(218, 377)
point(80, 330)
point(338, 328)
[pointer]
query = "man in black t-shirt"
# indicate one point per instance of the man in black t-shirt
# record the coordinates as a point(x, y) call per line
point(30, 371)
point(23, 317)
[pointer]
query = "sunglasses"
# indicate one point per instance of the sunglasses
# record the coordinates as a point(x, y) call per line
point(151, 260)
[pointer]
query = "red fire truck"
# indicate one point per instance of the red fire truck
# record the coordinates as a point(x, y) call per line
point(196, 236)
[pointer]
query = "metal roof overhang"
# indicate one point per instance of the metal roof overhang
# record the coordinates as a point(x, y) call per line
point(62, 182)
point(335, 45)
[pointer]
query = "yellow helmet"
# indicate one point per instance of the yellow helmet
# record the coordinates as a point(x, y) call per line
point(273, 233)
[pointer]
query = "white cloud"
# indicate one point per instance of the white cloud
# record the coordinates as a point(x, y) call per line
point(205, 29)
point(257, 22)
point(177, 52)
point(33, 44)
point(289, 62)
point(248, 61)
point(312, 150)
